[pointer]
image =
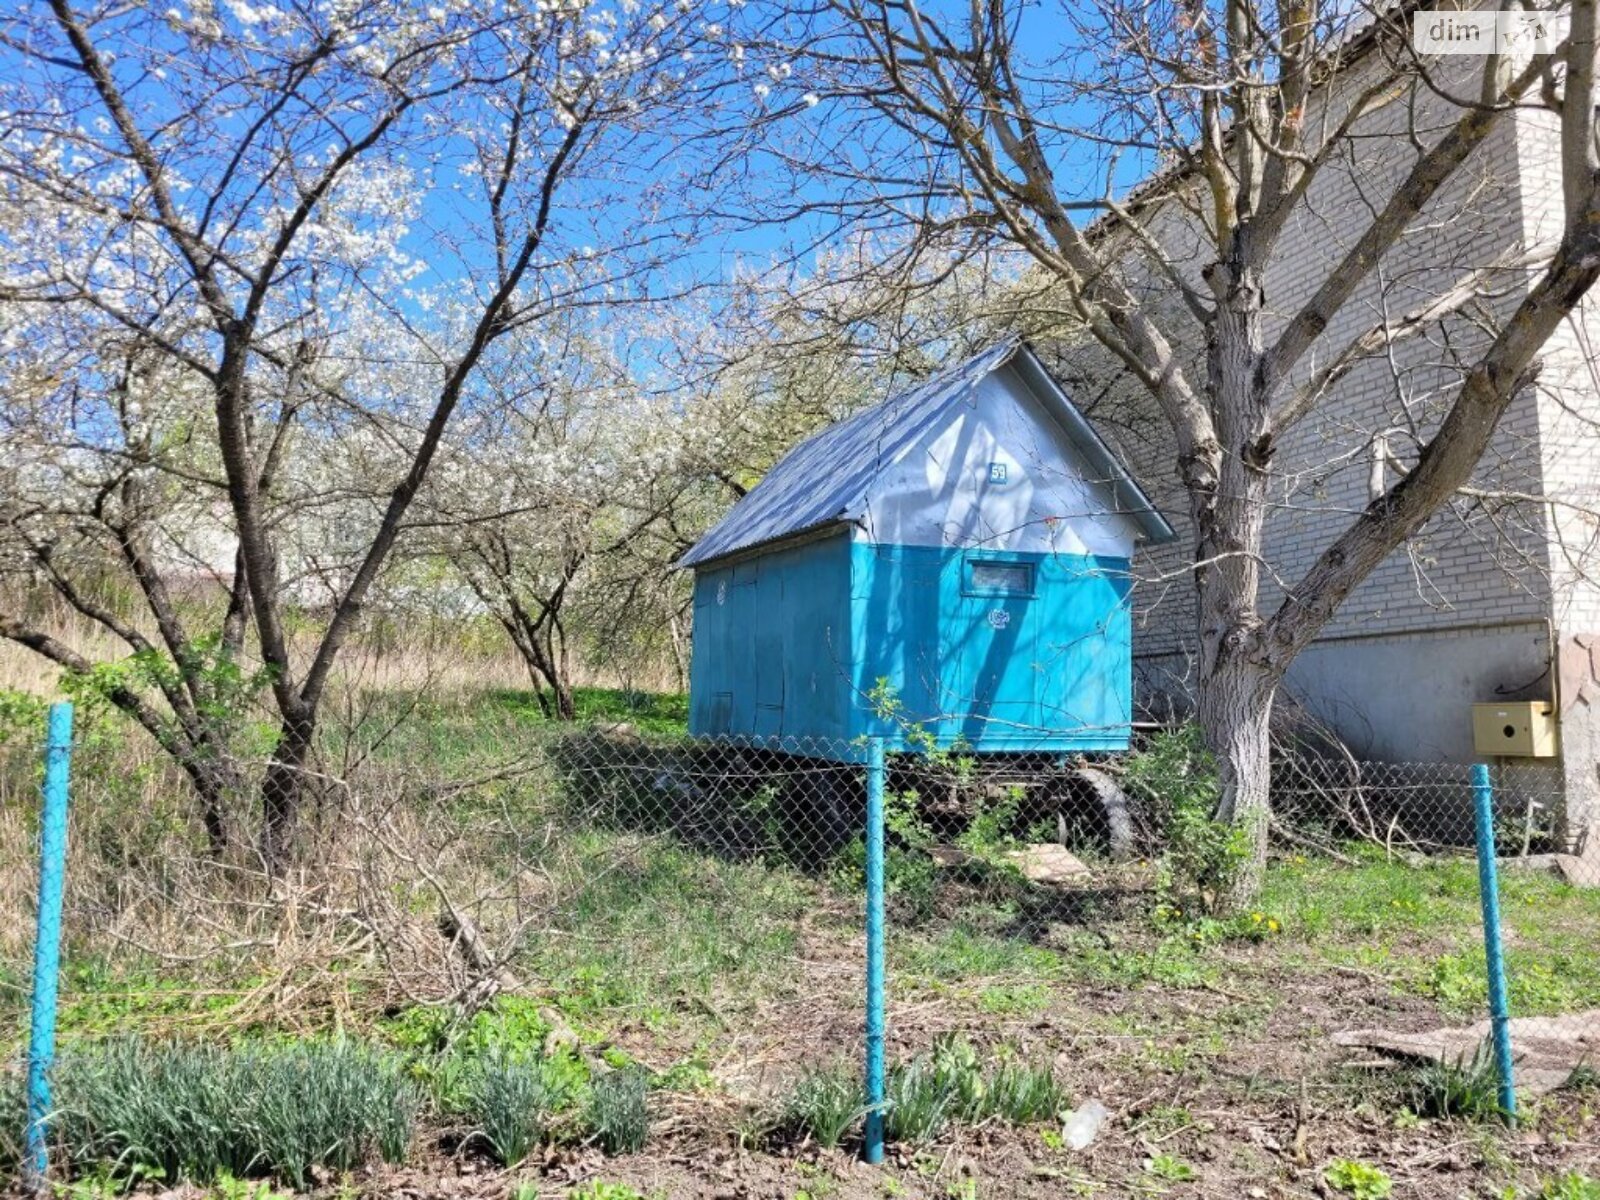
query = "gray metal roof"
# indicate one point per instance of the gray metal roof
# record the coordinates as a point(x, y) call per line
point(825, 480)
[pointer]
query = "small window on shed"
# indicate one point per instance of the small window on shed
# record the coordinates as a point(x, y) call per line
point(999, 577)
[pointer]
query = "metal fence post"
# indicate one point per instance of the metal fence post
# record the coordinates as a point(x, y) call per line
point(1489, 892)
point(47, 939)
point(873, 1149)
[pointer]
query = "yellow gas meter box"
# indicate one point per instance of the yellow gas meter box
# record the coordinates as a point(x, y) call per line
point(1515, 729)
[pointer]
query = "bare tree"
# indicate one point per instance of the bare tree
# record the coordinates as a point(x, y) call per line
point(325, 221)
point(531, 494)
point(980, 124)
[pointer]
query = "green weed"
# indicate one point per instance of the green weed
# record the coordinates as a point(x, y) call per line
point(824, 1103)
point(1574, 1185)
point(511, 1097)
point(1170, 1167)
point(1164, 1120)
point(229, 1188)
point(1358, 1179)
point(448, 1056)
point(200, 1112)
point(601, 1190)
point(618, 1114)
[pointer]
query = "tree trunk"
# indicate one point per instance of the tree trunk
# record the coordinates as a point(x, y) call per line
point(1237, 680)
point(566, 707)
point(1235, 716)
point(212, 782)
point(283, 790)
point(536, 678)
point(680, 664)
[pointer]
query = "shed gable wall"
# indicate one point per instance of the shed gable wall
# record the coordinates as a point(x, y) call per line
point(998, 472)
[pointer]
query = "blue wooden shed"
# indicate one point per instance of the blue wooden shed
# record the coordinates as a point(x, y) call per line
point(965, 543)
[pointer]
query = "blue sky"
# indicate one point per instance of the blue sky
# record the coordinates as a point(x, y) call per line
point(602, 211)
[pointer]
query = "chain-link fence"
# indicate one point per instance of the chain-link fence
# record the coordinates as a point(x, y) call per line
point(1428, 807)
point(1538, 889)
point(700, 907)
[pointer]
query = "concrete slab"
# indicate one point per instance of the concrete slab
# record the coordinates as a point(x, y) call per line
point(1049, 863)
point(1546, 1049)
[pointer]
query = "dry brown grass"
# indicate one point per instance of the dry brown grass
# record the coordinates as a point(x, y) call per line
point(422, 654)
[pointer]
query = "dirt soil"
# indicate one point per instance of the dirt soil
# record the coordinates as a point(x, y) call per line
point(1243, 1092)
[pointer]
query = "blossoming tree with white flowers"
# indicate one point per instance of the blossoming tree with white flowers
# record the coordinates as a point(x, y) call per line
point(230, 229)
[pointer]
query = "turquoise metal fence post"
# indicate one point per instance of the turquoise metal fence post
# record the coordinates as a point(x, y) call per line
point(47, 940)
point(873, 1150)
point(1489, 891)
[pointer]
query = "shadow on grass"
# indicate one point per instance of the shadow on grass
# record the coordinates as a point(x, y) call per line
point(732, 802)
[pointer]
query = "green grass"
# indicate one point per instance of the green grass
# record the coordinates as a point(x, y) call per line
point(1015, 1001)
point(1018, 972)
point(1319, 896)
point(651, 712)
point(1421, 925)
point(458, 734)
point(963, 951)
point(648, 925)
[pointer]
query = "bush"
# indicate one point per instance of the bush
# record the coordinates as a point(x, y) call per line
point(618, 1113)
point(511, 1098)
point(1201, 857)
point(202, 1112)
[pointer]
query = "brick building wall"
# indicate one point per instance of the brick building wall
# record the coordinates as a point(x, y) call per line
point(1474, 607)
point(1568, 400)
